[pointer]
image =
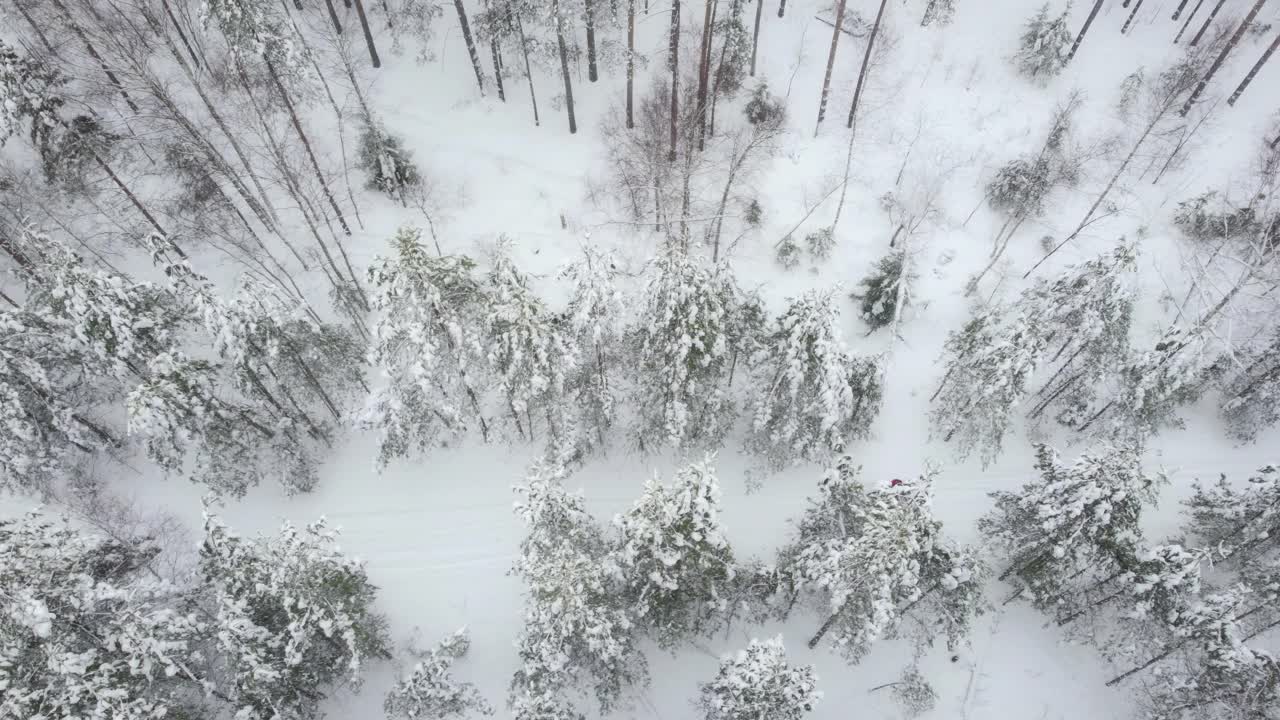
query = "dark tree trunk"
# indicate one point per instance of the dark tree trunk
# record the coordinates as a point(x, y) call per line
point(181, 35)
point(1244, 84)
point(631, 60)
point(494, 44)
point(44, 40)
point(589, 10)
point(1177, 13)
point(673, 61)
point(1207, 22)
point(368, 34)
point(93, 53)
point(704, 71)
point(1222, 56)
point(1097, 5)
point(755, 36)
point(866, 61)
point(1187, 24)
point(471, 43)
point(1129, 21)
point(528, 72)
point(782, 7)
point(333, 16)
point(564, 66)
point(831, 61)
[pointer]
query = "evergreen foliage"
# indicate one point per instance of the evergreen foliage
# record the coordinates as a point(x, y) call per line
point(594, 323)
point(429, 692)
point(1045, 45)
point(879, 291)
point(759, 683)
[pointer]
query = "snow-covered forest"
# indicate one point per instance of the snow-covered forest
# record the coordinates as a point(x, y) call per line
point(571, 360)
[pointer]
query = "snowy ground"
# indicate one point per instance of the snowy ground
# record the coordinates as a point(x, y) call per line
point(438, 533)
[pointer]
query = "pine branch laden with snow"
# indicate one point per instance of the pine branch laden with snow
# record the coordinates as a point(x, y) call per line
point(594, 321)
point(811, 395)
point(880, 292)
point(871, 558)
point(291, 616)
point(759, 683)
point(577, 631)
point(1045, 46)
point(684, 358)
point(29, 92)
point(254, 29)
point(1075, 526)
point(85, 634)
point(429, 692)
point(430, 345)
point(1157, 384)
point(674, 557)
point(1251, 391)
point(530, 355)
point(1238, 524)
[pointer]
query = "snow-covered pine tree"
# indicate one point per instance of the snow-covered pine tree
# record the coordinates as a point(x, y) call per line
point(530, 355)
point(871, 559)
point(1020, 187)
point(758, 683)
point(1155, 384)
point(29, 92)
point(291, 614)
point(683, 354)
point(810, 395)
point(1073, 529)
point(1163, 582)
point(1238, 523)
point(594, 320)
point(938, 11)
point(1251, 390)
point(673, 555)
point(990, 363)
point(748, 331)
point(879, 291)
point(86, 634)
point(429, 692)
point(1045, 46)
point(429, 343)
point(389, 164)
point(254, 29)
point(577, 629)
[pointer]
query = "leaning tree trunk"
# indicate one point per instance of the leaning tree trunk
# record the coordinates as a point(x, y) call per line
point(1187, 24)
point(1207, 22)
point(333, 16)
point(831, 61)
point(782, 7)
point(93, 53)
point(524, 49)
point(673, 60)
point(704, 61)
point(866, 62)
point(1132, 15)
point(755, 36)
point(564, 65)
point(368, 35)
point(1097, 5)
point(1177, 12)
point(1254, 71)
point(589, 11)
point(471, 43)
point(631, 60)
point(1222, 56)
point(494, 43)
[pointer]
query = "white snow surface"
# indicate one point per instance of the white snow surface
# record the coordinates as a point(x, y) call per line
point(438, 532)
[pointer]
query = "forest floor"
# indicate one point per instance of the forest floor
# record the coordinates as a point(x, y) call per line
point(944, 111)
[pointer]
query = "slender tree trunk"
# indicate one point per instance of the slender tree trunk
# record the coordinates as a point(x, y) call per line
point(1097, 5)
point(589, 11)
point(133, 199)
point(826, 627)
point(564, 65)
point(494, 43)
point(1222, 56)
point(704, 63)
point(368, 34)
point(1244, 84)
point(44, 40)
point(631, 60)
point(1187, 24)
point(866, 62)
point(782, 7)
point(471, 43)
point(1129, 21)
point(93, 53)
point(173, 19)
point(735, 14)
point(1178, 10)
point(673, 62)
point(831, 61)
point(306, 143)
point(755, 36)
point(1207, 22)
point(528, 72)
point(333, 16)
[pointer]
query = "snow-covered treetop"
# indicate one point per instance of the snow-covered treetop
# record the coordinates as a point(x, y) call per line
point(29, 90)
point(758, 683)
point(596, 306)
point(253, 28)
point(429, 692)
point(1045, 45)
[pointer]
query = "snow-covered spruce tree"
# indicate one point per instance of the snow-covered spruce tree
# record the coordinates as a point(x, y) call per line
point(429, 343)
point(594, 322)
point(748, 331)
point(1074, 527)
point(291, 614)
point(29, 92)
point(682, 349)
point(810, 395)
point(85, 634)
point(673, 556)
point(180, 411)
point(429, 692)
point(1020, 187)
point(1162, 582)
point(940, 12)
point(390, 166)
point(1155, 384)
point(530, 355)
point(577, 629)
point(254, 29)
point(871, 559)
point(990, 363)
point(758, 683)
point(914, 693)
point(1209, 218)
point(1251, 390)
point(1045, 45)
point(878, 293)
point(1238, 523)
